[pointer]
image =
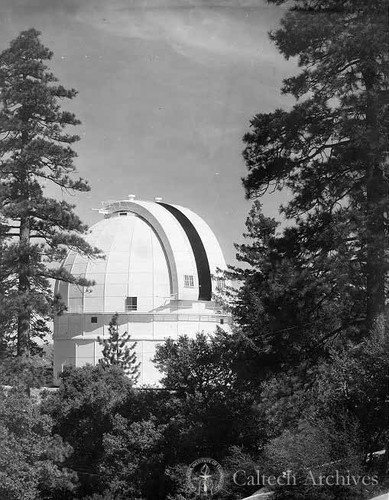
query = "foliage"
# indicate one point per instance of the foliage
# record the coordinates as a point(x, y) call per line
point(313, 451)
point(107, 495)
point(114, 431)
point(136, 443)
point(357, 380)
point(213, 411)
point(133, 458)
point(212, 414)
point(34, 150)
point(331, 420)
point(202, 365)
point(83, 410)
point(118, 350)
point(26, 372)
point(31, 462)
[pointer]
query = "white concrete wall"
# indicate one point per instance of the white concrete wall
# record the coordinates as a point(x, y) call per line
point(81, 346)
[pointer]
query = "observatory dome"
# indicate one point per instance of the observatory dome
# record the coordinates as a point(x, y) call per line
point(157, 274)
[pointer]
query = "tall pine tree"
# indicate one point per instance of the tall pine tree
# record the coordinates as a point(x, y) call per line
point(35, 149)
point(313, 298)
point(331, 149)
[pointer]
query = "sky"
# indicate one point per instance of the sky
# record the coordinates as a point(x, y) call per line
point(166, 90)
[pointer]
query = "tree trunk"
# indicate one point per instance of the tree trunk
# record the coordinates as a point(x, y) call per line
point(376, 244)
point(24, 315)
point(377, 198)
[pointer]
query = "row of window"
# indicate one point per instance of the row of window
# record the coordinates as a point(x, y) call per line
point(131, 303)
point(189, 282)
point(94, 320)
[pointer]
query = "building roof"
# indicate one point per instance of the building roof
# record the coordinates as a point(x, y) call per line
point(153, 250)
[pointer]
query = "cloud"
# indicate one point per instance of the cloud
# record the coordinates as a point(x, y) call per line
point(37, 7)
point(197, 29)
point(185, 4)
point(193, 28)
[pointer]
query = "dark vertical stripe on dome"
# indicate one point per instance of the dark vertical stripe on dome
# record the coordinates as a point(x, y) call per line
point(202, 264)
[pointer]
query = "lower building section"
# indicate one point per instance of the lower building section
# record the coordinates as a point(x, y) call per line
point(76, 336)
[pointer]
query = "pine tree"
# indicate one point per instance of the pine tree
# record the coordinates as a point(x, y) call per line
point(294, 300)
point(331, 149)
point(119, 350)
point(313, 293)
point(35, 150)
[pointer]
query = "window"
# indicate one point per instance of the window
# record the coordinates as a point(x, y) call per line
point(188, 281)
point(93, 319)
point(222, 321)
point(131, 303)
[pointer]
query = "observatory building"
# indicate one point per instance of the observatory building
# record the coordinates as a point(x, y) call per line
point(158, 275)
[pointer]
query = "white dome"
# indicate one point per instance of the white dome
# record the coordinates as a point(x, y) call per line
point(134, 266)
point(157, 274)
